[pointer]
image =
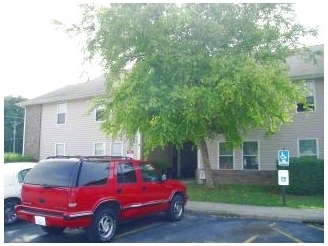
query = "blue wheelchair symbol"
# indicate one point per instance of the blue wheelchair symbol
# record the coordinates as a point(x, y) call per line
point(283, 157)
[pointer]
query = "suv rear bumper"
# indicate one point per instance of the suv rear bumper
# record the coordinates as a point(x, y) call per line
point(53, 217)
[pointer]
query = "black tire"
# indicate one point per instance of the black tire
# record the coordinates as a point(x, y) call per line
point(103, 227)
point(10, 216)
point(53, 229)
point(176, 209)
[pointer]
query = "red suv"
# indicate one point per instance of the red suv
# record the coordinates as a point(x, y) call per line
point(95, 192)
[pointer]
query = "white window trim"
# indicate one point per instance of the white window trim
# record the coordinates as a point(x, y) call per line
point(258, 154)
point(95, 113)
point(61, 112)
point(233, 157)
point(103, 147)
point(56, 148)
point(111, 147)
point(298, 146)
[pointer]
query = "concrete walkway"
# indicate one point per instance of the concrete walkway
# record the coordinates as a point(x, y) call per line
point(275, 213)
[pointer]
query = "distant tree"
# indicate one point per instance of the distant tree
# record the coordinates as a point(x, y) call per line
point(13, 124)
point(190, 72)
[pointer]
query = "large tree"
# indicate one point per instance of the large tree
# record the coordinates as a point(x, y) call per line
point(178, 73)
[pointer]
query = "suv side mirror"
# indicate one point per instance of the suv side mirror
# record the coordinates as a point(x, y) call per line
point(164, 177)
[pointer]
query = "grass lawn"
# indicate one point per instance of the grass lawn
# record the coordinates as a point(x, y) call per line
point(251, 195)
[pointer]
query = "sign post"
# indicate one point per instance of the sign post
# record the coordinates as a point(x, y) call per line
point(283, 175)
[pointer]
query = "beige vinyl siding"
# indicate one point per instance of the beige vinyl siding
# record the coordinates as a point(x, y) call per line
point(79, 133)
point(305, 125)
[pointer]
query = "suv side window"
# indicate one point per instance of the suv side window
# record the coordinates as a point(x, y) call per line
point(126, 173)
point(93, 173)
point(149, 173)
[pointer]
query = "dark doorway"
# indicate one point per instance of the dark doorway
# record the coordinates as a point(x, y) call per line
point(184, 161)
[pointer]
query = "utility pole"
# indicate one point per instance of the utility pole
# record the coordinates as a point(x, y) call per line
point(15, 123)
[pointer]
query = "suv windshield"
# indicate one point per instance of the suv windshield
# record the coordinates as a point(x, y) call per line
point(55, 172)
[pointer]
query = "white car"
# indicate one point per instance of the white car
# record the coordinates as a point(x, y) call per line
point(14, 175)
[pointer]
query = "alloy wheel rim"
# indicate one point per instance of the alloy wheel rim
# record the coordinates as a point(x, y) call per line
point(106, 227)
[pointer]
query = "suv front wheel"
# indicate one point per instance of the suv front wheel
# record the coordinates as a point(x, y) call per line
point(176, 209)
point(103, 227)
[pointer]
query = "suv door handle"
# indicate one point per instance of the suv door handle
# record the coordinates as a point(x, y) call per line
point(144, 188)
point(119, 191)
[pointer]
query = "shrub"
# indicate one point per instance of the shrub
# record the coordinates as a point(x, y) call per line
point(306, 176)
point(14, 157)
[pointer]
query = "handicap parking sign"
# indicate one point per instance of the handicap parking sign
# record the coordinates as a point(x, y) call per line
point(283, 157)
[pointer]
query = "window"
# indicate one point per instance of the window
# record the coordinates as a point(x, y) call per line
point(116, 149)
point(52, 172)
point(99, 149)
point(308, 147)
point(126, 173)
point(60, 149)
point(93, 173)
point(22, 174)
point(149, 173)
point(309, 105)
point(61, 113)
point(225, 156)
point(99, 113)
point(250, 155)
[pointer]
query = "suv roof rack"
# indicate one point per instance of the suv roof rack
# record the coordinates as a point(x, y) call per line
point(88, 157)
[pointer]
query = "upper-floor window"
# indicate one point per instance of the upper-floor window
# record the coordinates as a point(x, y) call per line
point(251, 155)
point(310, 99)
point(99, 149)
point(61, 113)
point(99, 113)
point(59, 149)
point(308, 147)
point(116, 149)
point(225, 156)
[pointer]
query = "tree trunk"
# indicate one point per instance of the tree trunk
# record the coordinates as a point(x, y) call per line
point(207, 166)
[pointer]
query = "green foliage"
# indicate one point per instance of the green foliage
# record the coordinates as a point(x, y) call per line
point(251, 195)
point(13, 117)
point(195, 70)
point(186, 73)
point(14, 157)
point(306, 176)
point(161, 166)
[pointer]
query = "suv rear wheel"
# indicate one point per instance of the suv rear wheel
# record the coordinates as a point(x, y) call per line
point(175, 212)
point(103, 227)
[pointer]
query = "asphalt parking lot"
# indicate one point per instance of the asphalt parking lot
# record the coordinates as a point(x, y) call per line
point(194, 228)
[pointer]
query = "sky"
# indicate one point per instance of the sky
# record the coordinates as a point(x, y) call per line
point(37, 59)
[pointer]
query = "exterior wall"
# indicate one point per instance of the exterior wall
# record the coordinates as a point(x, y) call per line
point(79, 133)
point(305, 125)
point(246, 177)
point(32, 131)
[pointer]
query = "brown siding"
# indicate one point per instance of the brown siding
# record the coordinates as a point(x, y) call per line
point(32, 131)
point(245, 177)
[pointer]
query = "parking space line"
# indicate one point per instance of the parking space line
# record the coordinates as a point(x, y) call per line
point(289, 236)
point(252, 238)
point(137, 230)
point(316, 227)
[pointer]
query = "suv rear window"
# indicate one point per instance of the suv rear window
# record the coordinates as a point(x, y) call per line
point(52, 173)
